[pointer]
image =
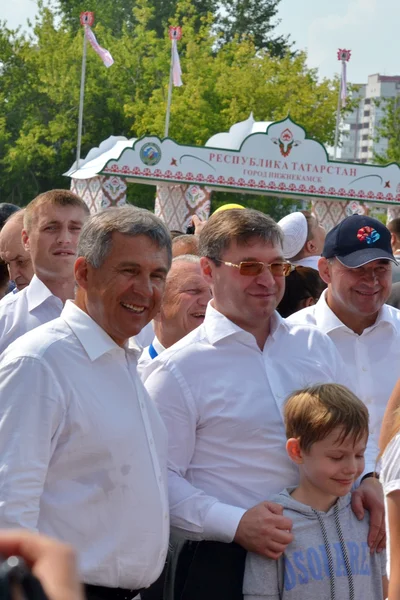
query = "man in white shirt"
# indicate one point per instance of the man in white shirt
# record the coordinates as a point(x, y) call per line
point(221, 392)
point(183, 306)
point(13, 253)
point(83, 450)
point(52, 224)
point(357, 266)
point(303, 239)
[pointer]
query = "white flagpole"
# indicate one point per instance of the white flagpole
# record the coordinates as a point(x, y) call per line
point(338, 119)
point(81, 99)
point(171, 70)
point(344, 57)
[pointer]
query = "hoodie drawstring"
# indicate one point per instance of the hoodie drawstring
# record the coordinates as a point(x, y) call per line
point(329, 553)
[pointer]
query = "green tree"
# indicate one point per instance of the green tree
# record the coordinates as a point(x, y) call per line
point(252, 18)
point(40, 80)
point(389, 129)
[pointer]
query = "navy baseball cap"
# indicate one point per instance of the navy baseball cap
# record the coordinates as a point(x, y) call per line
point(358, 240)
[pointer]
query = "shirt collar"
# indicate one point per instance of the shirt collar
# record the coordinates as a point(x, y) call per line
point(95, 341)
point(157, 345)
point(327, 321)
point(219, 327)
point(37, 293)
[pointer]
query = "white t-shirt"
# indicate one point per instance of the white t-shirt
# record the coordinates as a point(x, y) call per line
point(390, 479)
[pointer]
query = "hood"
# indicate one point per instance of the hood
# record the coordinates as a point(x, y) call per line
point(286, 500)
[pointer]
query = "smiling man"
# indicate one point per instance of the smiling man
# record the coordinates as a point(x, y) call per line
point(82, 448)
point(356, 264)
point(183, 307)
point(52, 224)
point(221, 391)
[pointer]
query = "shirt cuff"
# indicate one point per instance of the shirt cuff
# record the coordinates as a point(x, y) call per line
point(222, 521)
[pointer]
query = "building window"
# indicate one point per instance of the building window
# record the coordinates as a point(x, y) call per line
point(364, 148)
point(367, 113)
point(367, 101)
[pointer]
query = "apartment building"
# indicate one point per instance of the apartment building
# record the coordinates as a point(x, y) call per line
point(361, 126)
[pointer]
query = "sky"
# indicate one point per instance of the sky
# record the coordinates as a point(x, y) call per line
point(369, 28)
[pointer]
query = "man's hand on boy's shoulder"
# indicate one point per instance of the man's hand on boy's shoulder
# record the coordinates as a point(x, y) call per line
point(263, 529)
point(369, 496)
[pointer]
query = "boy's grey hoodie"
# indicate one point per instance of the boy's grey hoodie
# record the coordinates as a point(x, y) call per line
point(329, 558)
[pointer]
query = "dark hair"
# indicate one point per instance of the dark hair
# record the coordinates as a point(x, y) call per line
point(300, 284)
point(6, 210)
point(240, 225)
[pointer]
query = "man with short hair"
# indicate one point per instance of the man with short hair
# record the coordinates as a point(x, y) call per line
point(52, 224)
point(221, 392)
point(13, 253)
point(303, 239)
point(183, 305)
point(356, 264)
point(185, 244)
point(83, 450)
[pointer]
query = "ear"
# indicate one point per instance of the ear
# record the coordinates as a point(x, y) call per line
point(393, 239)
point(81, 272)
point(309, 302)
point(207, 267)
point(310, 247)
point(294, 451)
point(324, 269)
point(25, 240)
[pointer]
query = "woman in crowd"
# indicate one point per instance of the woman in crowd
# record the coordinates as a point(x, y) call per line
point(303, 287)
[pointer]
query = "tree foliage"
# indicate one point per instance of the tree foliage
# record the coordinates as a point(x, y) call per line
point(40, 79)
point(389, 129)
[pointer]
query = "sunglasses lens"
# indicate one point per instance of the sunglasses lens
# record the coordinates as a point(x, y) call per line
point(281, 269)
point(251, 268)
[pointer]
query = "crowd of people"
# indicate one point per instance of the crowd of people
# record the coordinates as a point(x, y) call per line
point(212, 416)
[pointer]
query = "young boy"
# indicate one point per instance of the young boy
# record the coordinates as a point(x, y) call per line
point(327, 431)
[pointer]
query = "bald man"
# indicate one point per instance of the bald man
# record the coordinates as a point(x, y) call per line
point(13, 253)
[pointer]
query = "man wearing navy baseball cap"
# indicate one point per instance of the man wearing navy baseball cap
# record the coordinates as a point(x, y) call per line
point(356, 264)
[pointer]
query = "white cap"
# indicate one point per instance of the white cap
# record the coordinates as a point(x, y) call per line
point(295, 232)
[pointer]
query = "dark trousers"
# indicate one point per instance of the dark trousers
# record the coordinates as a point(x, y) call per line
point(98, 592)
point(206, 571)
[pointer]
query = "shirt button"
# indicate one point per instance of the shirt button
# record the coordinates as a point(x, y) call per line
point(165, 516)
point(142, 405)
point(160, 478)
point(151, 442)
point(364, 369)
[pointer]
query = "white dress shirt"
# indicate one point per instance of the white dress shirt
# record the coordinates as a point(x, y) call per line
point(372, 359)
point(31, 307)
point(308, 261)
point(145, 357)
point(146, 336)
point(83, 450)
point(222, 399)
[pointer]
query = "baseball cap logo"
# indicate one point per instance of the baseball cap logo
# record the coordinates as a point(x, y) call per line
point(368, 234)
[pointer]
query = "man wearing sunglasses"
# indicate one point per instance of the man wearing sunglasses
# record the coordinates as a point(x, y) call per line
point(221, 392)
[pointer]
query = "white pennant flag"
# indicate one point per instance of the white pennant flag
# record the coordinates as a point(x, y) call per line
point(176, 65)
point(102, 52)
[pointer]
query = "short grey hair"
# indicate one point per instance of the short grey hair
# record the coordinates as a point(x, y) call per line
point(190, 258)
point(240, 225)
point(95, 241)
